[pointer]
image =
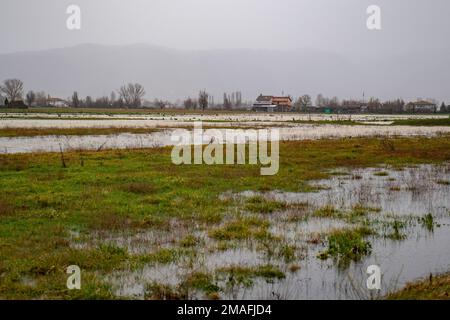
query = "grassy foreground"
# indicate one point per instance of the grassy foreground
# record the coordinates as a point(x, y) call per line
point(433, 288)
point(45, 198)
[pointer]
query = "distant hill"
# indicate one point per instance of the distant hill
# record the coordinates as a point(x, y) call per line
point(171, 74)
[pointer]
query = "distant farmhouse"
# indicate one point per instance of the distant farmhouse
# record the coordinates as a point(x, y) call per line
point(421, 106)
point(17, 104)
point(272, 103)
point(56, 102)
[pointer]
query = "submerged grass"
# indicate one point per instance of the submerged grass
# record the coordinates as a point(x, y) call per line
point(428, 222)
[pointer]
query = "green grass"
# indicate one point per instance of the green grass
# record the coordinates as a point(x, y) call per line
point(109, 192)
point(239, 275)
point(393, 230)
point(432, 288)
point(346, 245)
point(259, 204)
point(428, 222)
point(241, 229)
point(330, 122)
point(423, 122)
point(32, 132)
point(327, 211)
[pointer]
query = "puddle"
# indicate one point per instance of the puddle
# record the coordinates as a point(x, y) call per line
point(421, 252)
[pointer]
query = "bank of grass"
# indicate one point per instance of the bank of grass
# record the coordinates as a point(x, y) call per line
point(432, 122)
point(347, 122)
point(423, 122)
point(431, 288)
point(32, 132)
point(42, 202)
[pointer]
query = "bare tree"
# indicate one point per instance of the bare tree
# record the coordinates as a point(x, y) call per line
point(75, 100)
point(190, 103)
point(160, 104)
point(88, 103)
point(102, 102)
point(112, 98)
point(238, 99)
point(124, 95)
point(320, 100)
point(226, 102)
point(203, 100)
point(41, 98)
point(13, 89)
point(132, 94)
point(303, 102)
point(374, 105)
point(31, 97)
point(137, 93)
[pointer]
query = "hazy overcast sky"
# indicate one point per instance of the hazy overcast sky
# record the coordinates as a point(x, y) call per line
point(205, 24)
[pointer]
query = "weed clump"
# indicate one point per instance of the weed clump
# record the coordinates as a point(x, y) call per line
point(259, 204)
point(347, 245)
point(395, 234)
point(327, 211)
point(189, 241)
point(200, 281)
point(243, 228)
point(245, 275)
point(428, 222)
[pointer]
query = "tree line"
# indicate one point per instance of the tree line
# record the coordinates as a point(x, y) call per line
point(304, 103)
point(131, 96)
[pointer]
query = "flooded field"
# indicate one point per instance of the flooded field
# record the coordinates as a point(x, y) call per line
point(399, 219)
point(141, 227)
point(163, 137)
point(40, 119)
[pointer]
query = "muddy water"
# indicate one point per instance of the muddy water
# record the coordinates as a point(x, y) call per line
point(163, 138)
point(419, 191)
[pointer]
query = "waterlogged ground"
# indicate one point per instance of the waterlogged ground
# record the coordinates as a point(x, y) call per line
point(164, 137)
point(139, 226)
point(399, 218)
point(52, 132)
point(40, 118)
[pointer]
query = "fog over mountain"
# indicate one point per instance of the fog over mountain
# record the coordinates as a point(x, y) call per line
point(174, 74)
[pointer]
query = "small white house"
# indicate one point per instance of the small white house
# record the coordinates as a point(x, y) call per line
point(57, 102)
